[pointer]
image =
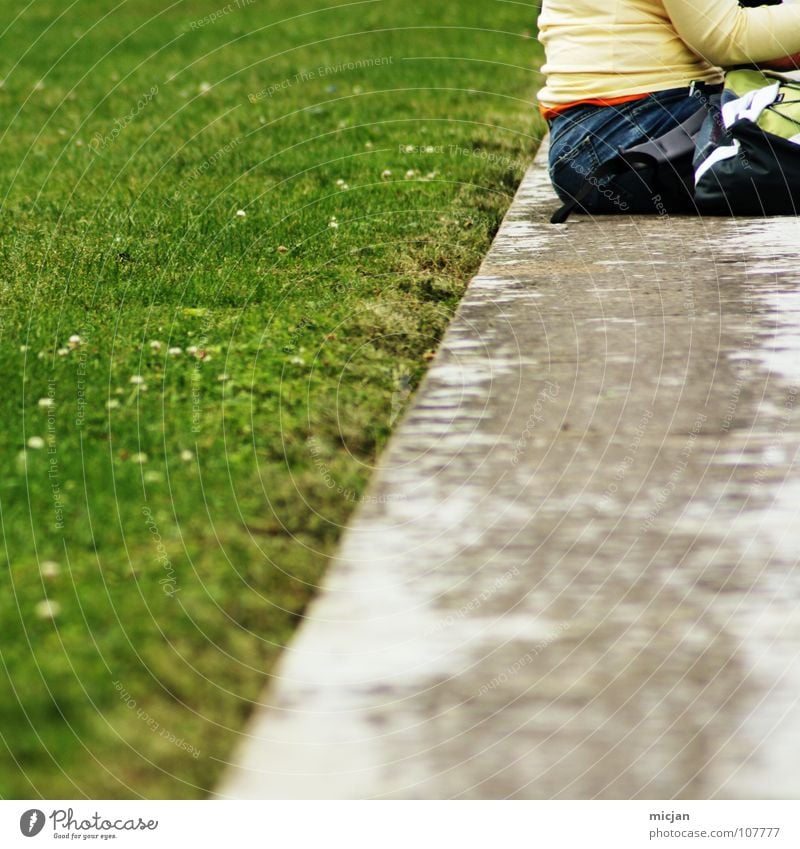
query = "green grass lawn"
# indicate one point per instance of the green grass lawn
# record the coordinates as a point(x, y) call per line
point(230, 237)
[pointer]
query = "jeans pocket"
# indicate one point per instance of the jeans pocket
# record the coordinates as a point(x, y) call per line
point(566, 150)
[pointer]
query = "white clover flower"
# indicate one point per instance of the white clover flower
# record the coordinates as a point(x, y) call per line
point(187, 456)
point(49, 569)
point(48, 609)
point(23, 349)
point(155, 345)
point(368, 145)
point(36, 443)
point(136, 379)
point(297, 361)
point(410, 174)
point(386, 174)
point(333, 223)
point(223, 377)
point(153, 476)
point(62, 352)
point(282, 249)
point(175, 351)
point(240, 213)
point(192, 349)
point(47, 402)
point(140, 458)
point(112, 404)
point(205, 88)
point(74, 340)
point(340, 182)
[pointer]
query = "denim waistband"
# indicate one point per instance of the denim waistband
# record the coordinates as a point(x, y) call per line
point(696, 89)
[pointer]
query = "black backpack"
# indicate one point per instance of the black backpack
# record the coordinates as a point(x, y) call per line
point(659, 173)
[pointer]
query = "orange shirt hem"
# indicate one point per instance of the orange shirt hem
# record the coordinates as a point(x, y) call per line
point(550, 112)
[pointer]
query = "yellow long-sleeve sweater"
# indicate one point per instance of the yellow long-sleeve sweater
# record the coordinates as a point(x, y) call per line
point(611, 49)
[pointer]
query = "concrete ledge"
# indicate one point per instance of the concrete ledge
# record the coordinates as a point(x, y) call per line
point(578, 575)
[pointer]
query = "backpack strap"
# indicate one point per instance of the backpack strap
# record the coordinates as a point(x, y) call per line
point(612, 167)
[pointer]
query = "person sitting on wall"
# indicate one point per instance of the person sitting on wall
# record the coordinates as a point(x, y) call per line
point(622, 73)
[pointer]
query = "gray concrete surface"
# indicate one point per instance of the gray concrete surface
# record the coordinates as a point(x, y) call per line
point(578, 575)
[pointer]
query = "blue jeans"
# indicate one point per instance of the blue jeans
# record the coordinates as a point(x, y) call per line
point(586, 136)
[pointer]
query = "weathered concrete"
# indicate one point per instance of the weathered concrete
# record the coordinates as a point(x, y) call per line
point(578, 576)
